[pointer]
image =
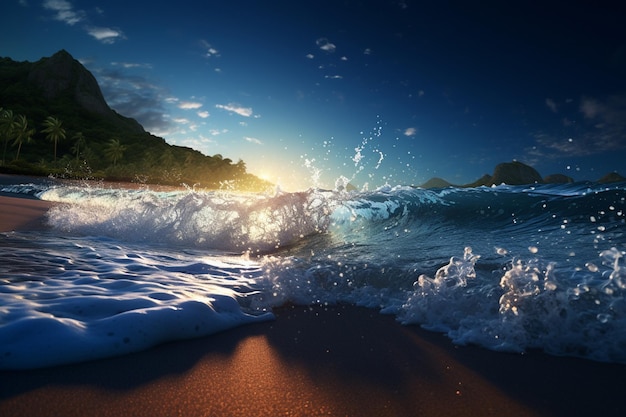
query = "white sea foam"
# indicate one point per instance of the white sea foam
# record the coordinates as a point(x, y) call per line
point(70, 300)
point(546, 268)
point(231, 222)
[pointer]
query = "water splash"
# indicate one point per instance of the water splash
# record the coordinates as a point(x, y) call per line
point(545, 269)
point(212, 220)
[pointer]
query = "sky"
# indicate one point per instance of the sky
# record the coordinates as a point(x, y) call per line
point(316, 93)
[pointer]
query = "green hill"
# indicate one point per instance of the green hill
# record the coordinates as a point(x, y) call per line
point(97, 142)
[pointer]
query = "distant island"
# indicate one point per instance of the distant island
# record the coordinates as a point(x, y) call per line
point(54, 121)
point(517, 173)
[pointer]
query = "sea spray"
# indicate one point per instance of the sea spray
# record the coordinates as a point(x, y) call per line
point(212, 220)
point(533, 305)
point(545, 270)
point(368, 157)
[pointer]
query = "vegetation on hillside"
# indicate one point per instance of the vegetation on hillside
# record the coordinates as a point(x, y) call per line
point(44, 134)
point(70, 153)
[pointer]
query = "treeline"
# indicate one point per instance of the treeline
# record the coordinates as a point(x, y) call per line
point(95, 150)
point(54, 120)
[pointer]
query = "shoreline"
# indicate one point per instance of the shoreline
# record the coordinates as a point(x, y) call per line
point(22, 213)
point(25, 212)
point(336, 360)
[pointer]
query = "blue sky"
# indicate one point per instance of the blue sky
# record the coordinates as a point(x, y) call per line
point(397, 92)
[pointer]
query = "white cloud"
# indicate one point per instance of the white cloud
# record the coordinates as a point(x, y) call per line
point(215, 132)
point(333, 77)
point(344, 58)
point(189, 105)
point(64, 11)
point(105, 35)
point(209, 51)
point(203, 114)
point(204, 139)
point(367, 51)
point(234, 108)
point(325, 45)
point(551, 105)
point(181, 120)
point(410, 131)
point(310, 56)
point(129, 65)
point(253, 140)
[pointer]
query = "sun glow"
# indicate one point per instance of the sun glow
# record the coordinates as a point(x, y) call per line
point(264, 175)
point(288, 177)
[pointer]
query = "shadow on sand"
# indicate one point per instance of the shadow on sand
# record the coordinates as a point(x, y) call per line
point(338, 360)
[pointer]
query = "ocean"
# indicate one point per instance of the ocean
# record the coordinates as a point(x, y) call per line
point(507, 268)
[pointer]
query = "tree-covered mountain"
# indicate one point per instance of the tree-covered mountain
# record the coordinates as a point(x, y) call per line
point(54, 120)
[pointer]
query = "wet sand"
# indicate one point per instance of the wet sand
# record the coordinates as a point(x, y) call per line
point(21, 212)
point(18, 213)
point(338, 361)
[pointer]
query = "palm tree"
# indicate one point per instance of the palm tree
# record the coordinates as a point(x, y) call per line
point(22, 134)
point(114, 150)
point(80, 142)
point(8, 123)
point(54, 131)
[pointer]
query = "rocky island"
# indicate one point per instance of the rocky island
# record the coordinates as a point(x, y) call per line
point(517, 173)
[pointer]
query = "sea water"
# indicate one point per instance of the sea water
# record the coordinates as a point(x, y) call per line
point(509, 268)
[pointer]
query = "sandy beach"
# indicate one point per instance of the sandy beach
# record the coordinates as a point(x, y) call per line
point(18, 213)
point(336, 360)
